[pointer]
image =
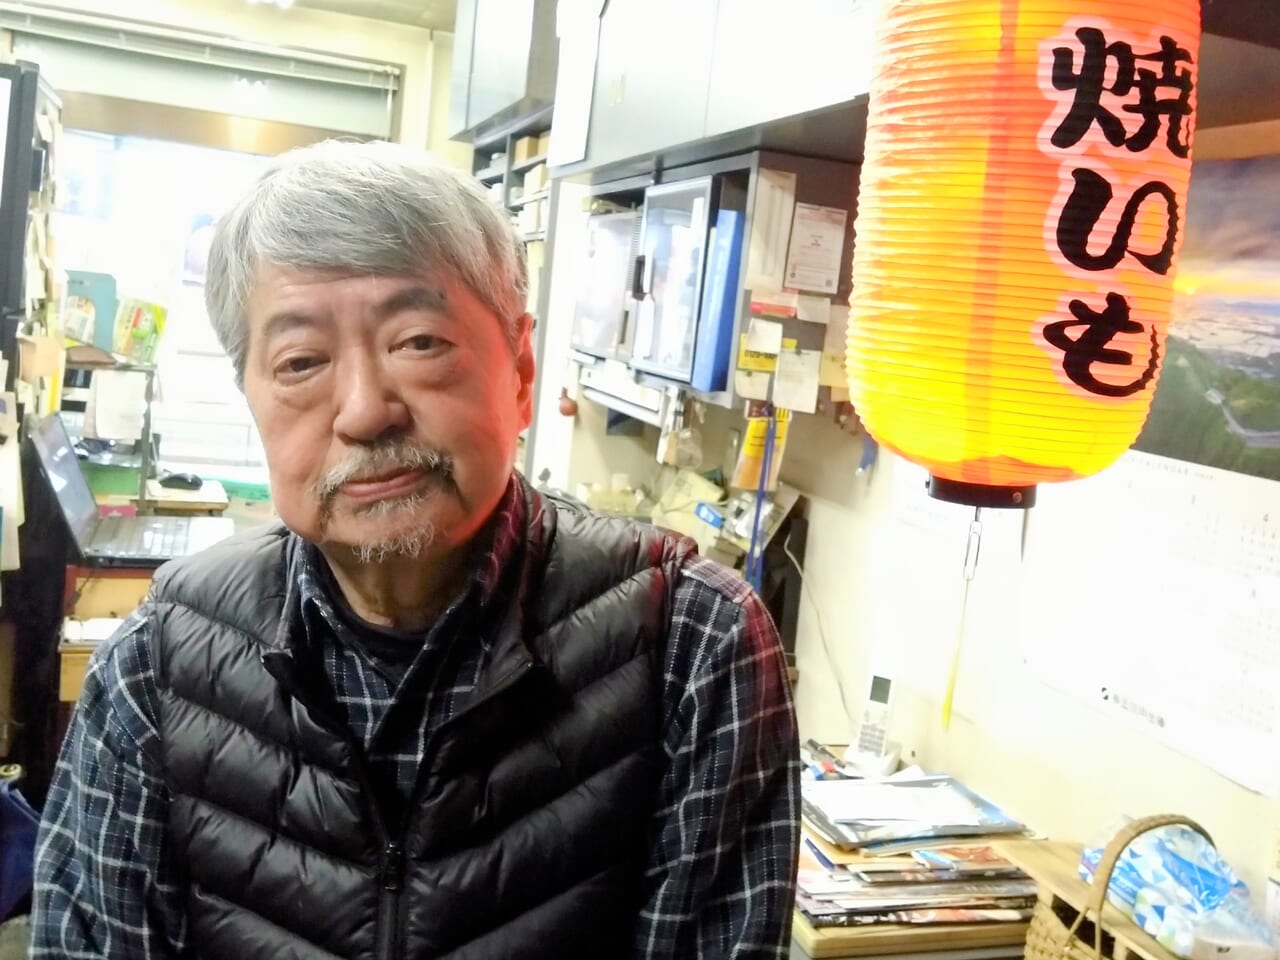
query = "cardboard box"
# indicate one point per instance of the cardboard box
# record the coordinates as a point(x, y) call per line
point(526, 148)
point(530, 218)
point(544, 144)
point(536, 179)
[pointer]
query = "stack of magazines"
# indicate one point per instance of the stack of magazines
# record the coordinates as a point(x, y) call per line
point(913, 850)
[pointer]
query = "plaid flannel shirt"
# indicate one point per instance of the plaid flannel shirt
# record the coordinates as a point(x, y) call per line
point(724, 835)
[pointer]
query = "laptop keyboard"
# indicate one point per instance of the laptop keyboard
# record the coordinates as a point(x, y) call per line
point(161, 537)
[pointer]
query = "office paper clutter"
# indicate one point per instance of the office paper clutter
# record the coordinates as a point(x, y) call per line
point(911, 849)
point(1021, 211)
point(901, 813)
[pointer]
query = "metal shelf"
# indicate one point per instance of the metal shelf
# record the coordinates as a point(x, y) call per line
point(491, 174)
point(537, 122)
point(532, 198)
point(529, 164)
point(536, 235)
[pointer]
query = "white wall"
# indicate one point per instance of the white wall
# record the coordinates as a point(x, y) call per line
point(554, 438)
point(438, 142)
point(890, 601)
point(885, 596)
point(315, 30)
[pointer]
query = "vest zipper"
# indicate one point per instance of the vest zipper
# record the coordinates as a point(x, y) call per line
point(392, 867)
point(389, 900)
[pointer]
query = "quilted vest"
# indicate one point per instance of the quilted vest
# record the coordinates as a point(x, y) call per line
point(525, 836)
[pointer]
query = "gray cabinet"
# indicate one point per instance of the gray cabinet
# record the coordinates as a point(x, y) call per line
point(767, 66)
point(673, 75)
point(504, 62)
point(652, 74)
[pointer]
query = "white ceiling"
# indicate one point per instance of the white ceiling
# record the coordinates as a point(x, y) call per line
point(432, 14)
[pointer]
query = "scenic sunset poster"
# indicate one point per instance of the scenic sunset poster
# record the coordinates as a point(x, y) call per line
point(1218, 400)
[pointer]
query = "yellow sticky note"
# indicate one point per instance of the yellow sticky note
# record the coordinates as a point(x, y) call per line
point(831, 371)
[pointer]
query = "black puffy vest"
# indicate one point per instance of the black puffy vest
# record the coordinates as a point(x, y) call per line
point(525, 837)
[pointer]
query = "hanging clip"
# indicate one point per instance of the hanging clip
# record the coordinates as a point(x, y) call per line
point(973, 548)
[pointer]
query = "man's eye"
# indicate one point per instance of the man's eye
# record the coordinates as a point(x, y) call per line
point(422, 342)
point(296, 366)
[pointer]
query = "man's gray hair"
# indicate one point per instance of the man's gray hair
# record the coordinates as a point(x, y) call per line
point(368, 208)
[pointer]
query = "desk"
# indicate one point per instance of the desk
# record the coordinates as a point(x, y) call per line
point(89, 593)
point(1055, 867)
point(210, 500)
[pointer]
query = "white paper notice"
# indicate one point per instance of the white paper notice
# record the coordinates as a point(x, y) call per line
point(751, 384)
point(646, 311)
point(813, 309)
point(817, 243)
point(6, 88)
point(8, 414)
point(117, 402)
point(796, 385)
point(11, 506)
point(764, 336)
point(578, 26)
point(831, 372)
point(855, 801)
point(770, 228)
point(93, 630)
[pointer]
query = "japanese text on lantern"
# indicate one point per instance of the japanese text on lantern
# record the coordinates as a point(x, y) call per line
point(1121, 122)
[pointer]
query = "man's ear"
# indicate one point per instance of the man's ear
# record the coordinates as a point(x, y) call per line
point(526, 366)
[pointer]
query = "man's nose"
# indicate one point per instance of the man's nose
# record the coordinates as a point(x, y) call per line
point(368, 404)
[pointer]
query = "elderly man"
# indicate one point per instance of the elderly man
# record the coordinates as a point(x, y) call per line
point(434, 714)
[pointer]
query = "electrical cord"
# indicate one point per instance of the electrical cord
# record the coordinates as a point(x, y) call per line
point(75, 596)
point(822, 633)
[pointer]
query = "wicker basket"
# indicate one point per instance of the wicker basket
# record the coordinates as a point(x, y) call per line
point(1064, 931)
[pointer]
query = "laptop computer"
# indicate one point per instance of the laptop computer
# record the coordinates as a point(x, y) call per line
point(114, 541)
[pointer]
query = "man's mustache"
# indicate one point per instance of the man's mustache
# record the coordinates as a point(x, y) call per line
point(384, 459)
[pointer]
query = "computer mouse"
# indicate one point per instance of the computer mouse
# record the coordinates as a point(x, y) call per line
point(181, 481)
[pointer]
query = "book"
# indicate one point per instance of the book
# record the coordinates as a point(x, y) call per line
point(831, 853)
point(832, 894)
point(899, 815)
point(138, 327)
point(925, 875)
point(89, 311)
point(821, 915)
point(978, 858)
